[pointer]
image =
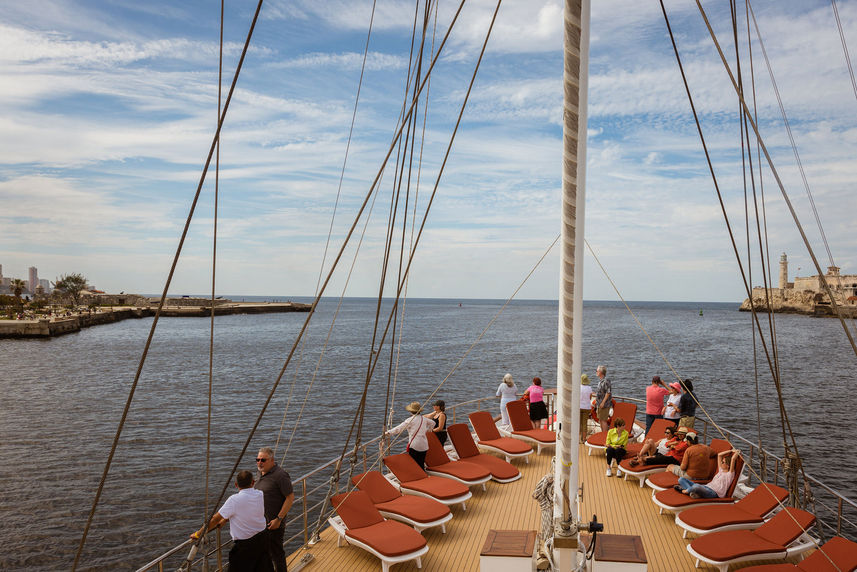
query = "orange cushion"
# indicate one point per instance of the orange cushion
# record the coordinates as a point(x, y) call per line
point(730, 544)
point(786, 526)
point(708, 517)
point(518, 416)
point(507, 445)
point(464, 470)
point(376, 486)
point(462, 440)
point(438, 487)
point(499, 468)
point(356, 509)
point(763, 499)
point(435, 454)
point(484, 426)
point(540, 435)
point(598, 439)
point(404, 467)
point(420, 509)
point(675, 499)
point(664, 480)
point(843, 553)
point(389, 537)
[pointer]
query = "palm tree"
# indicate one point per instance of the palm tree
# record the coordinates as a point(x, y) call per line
point(18, 288)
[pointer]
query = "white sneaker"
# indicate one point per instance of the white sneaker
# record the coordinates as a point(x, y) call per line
point(609, 473)
point(618, 472)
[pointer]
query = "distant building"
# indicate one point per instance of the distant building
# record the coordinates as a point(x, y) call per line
point(45, 284)
point(33, 279)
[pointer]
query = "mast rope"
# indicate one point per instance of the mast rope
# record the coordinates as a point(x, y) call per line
point(844, 47)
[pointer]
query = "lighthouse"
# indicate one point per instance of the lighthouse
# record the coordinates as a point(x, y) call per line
point(784, 272)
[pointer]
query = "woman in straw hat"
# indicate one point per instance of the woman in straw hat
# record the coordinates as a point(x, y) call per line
point(417, 427)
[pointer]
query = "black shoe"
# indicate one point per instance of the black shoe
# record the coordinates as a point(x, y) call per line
point(677, 488)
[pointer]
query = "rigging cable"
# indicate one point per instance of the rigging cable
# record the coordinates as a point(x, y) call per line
point(139, 371)
point(844, 47)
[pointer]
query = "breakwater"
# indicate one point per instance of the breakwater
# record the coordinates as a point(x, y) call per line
point(60, 325)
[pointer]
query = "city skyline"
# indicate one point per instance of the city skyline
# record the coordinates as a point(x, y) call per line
point(113, 108)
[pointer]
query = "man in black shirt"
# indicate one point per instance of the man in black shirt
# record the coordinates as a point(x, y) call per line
point(276, 485)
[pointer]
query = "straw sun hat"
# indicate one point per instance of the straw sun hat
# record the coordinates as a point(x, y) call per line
point(413, 407)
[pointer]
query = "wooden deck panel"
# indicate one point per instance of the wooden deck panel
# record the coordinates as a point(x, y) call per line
point(622, 506)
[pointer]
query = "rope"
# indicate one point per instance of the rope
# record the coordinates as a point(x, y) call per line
point(213, 273)
point(139, 371)
point(844, 47)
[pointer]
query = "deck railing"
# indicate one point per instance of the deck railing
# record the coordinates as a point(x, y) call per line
point(837, 515)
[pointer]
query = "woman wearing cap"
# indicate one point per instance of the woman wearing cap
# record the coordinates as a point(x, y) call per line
point(655, 394)
point(439, 418)
point(538, 410)
point(506, 392)
point(585, 405)
point(417, 427)
point(671, 410)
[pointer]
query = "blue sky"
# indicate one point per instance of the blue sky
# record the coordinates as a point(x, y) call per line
point(107, 110)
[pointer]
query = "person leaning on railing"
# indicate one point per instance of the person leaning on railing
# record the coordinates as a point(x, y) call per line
point(687, 405)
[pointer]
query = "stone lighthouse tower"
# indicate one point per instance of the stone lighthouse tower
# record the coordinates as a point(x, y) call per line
point(784, 272)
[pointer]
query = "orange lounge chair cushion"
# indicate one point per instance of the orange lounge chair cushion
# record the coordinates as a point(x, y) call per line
point(404, 467)
point(389, 537)
point(786, 526)
point(420, 509)
point(436, 455)
point(499, 468)
point(376, 486)
point(462, 440)
point(763, 499)
point(708, 517)
point(356, 509)
point(626, 466)
point(728, 545)
point(484, 426)
point(597, 439)
point(771, 538)
point(675, 499)
point(464, 470)
point(541, 435)
point(507, 445)
point(438, 487)
point(841, 551)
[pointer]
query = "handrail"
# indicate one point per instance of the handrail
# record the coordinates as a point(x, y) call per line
point(302, 485)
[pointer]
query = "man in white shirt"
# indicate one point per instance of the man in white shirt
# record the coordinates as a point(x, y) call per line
point(245, 512)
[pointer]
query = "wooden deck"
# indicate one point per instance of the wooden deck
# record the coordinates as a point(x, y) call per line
point(622, 506)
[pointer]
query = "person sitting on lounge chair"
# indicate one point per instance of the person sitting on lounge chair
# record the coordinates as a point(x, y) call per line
point(718, 485)
point(694, 464)
point(617, 438)
point(650, 447)
point(675, 451)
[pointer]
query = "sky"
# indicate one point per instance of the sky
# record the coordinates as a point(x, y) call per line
point(108, 110)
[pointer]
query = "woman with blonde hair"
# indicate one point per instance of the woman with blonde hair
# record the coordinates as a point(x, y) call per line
point(506, 392)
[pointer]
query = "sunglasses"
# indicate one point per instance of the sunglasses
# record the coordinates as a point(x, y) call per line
point(262, 460)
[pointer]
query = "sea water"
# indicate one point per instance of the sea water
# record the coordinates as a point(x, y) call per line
point(62, 400)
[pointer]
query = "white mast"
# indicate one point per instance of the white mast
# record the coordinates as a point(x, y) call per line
point(575, 86)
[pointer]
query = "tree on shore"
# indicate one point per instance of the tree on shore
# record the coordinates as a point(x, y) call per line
point(17, 289)
point(70, 285)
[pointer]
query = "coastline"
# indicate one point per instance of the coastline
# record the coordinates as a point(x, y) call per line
point(61, 325)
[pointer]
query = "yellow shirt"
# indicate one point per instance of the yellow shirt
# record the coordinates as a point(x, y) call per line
point(615, 439)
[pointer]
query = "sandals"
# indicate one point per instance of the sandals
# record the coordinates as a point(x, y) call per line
point(677, 488)
point(633, 462)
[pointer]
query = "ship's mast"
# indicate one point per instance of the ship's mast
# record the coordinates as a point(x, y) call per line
point(575, 85)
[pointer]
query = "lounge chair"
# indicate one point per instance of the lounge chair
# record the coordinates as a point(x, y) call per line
point(501, 471)
point(783, 536)
point(465, 472)
point(490, 438)
point(674, 501)
point(359, 523)
point(623, 410)
point(667, 480)
point(748, 513)
point(522, 427)
point(836, 555)
point(419, 512)
point(414, 481)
